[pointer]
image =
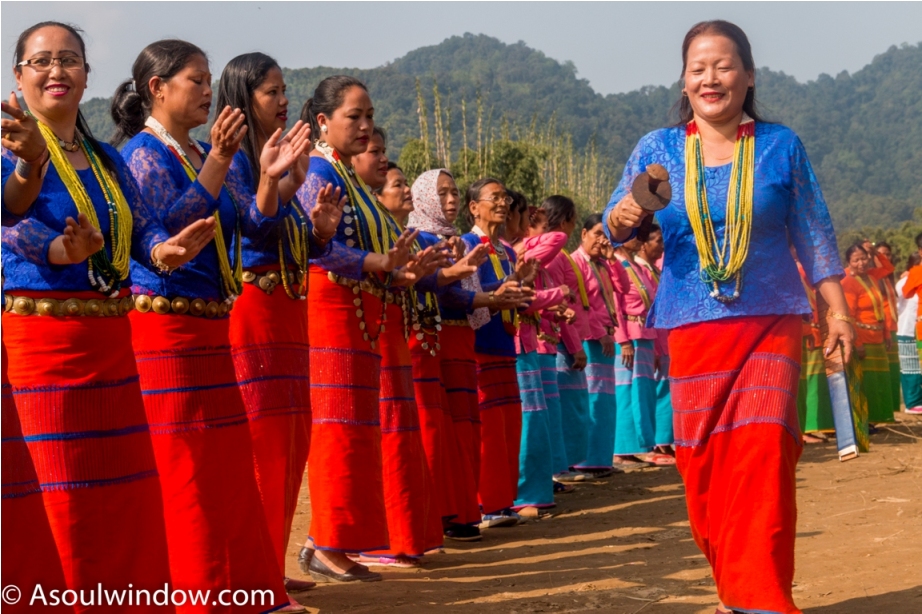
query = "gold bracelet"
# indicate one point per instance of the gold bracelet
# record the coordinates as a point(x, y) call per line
point(160, 265)
point(839, 316)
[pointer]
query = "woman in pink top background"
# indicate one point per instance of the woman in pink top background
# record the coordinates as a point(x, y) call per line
point(650, 257)
point(635, 383)
point(599, 345)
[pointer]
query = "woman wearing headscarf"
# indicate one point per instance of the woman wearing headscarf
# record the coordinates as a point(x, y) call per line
point(464, 308)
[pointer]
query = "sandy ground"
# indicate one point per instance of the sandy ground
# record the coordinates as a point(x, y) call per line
point(622, 545)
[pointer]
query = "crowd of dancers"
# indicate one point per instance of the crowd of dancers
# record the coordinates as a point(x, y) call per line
point(188, 325)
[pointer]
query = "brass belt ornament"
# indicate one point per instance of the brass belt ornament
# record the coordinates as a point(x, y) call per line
point(71, 307)
point(266, 281)
point(196, 307)
point(869, 326)
point(638, 319)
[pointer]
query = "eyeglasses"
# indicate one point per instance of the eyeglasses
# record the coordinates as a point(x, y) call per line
point(497, 200)
point(44, 64)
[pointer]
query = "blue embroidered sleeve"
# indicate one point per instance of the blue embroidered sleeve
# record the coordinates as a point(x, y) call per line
point(30, 239)
point(146, 229)
point(808, 220)
point(454, 296)
point(154, 167)
point(339, 258)
point(239, 182)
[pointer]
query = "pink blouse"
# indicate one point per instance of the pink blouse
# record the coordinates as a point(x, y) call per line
point(633, 310)
point(543, 248)
point(598, 318)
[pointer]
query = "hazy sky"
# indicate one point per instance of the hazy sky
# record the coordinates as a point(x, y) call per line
point(618, 47)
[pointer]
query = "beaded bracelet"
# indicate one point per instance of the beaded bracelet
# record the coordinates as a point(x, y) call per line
point(160, 265)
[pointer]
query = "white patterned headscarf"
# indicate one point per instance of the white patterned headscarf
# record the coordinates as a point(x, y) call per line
point(427, 216)
point(427, 208)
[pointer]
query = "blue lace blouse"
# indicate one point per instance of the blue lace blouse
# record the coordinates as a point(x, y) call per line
point(343, 258)
point(454, 301)
point(786, 199)
point(492, 337)
point(263, 249)
point(26, 238)
point(168, 195)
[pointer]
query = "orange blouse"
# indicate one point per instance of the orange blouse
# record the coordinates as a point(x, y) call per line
point(871, 328)
point(914, 286)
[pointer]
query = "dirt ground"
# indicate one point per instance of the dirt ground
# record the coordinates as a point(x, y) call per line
point(622, 545)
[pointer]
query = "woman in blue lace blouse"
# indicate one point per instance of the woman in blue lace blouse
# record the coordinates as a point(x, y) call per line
point(731, 294)
point(71, 369)
point(268, 325)
point(216, 527)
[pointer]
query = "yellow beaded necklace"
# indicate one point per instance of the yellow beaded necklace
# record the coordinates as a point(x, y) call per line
point(721, 261)
point(105, 274)
point(231, 274)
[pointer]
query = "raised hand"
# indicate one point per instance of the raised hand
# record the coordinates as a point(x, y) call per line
point(399, 255)
point(466, 266)
point(21, 134)
point(526, 269)
point(424, 263)
point(186, 244)
point(457, 246)
point(227, 133)
point(79, 241)
point(606, 249)
point(327, 212)
point(281, 154)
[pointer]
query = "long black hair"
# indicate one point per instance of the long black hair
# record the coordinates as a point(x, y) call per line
point(82, 126)
point(559, 209)
point(239, 80)
point(133, 100)
point(682, 107)
point(328, 97)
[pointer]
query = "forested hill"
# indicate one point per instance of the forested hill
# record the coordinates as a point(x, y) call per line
point(863, 131)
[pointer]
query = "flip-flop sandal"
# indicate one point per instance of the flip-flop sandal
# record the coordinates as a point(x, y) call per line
point(661, 460)
point(563, 489)
point(534, 512)
point(627, 464)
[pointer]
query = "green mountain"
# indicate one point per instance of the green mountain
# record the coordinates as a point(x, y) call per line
point(863, 131)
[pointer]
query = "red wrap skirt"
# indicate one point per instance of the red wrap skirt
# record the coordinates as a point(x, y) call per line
point(459, 377)
point(28, 545)
point(75, 385)
point(268, 336)
point(734, 392)
point(435, 423)
point(344, 465)
point(500, 431)
point(413, 522)
point(215, 523)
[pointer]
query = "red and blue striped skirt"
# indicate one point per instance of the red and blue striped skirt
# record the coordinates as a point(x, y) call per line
point(268, 336)
point(75, 385)
point(734, 394)
point(216, 527)
point(27, 538)
point(459, 375)
point(500, 431)
point(344, 465)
